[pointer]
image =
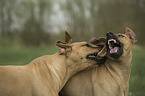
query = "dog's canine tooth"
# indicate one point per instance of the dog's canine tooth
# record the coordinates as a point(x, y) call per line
point(91, 56)
point(108, 41)
point(114, 41)
point(111, 40)
point(110, 47)
point(116, 50)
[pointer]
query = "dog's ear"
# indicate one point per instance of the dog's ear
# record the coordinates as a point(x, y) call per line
point(130, 34)
point(98, 42)
point(68, 39)
point(65, 47)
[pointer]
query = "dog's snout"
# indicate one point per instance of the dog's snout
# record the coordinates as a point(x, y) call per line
point(109, 34)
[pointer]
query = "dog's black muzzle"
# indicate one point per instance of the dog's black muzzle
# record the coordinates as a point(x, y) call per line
point(114, 46)
point(110, 35)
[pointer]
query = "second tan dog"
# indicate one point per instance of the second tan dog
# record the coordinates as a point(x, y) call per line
point(46, 75)
point(110, 78)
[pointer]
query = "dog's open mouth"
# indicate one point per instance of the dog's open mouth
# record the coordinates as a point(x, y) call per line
point(92, 56)
point(114, 46)
point(95, 57)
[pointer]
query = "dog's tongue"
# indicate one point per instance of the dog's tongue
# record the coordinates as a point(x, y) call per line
point(114, 50)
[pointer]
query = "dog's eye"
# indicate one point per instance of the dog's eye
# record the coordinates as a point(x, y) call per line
point(121, 36)
point(87, 45)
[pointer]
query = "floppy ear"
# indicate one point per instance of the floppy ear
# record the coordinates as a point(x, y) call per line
point(130, 34)
point(98, 42)
point(65, 47)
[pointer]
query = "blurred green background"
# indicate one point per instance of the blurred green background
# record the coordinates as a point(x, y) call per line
point(30, 28)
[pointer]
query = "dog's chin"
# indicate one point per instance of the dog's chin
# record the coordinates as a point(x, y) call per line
point(95, 57)
point(114, 47)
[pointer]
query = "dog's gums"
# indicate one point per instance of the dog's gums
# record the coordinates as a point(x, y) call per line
point(114, 46)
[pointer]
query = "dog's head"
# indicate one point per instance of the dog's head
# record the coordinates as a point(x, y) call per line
point(118, 45)
point(79, 52)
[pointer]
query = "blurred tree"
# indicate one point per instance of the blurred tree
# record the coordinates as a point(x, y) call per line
point(33, 32)
point(6, 9)
point(116, 15)
point(76, 18)
point(27, 17)
point(96, 17)
point(139, 20)
point(83, 18)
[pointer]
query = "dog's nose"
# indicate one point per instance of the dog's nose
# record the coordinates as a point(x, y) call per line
point(109, 34)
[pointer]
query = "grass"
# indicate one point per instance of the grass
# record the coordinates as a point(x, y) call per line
point(17, 55)
point(23, 55)
point(137, 80)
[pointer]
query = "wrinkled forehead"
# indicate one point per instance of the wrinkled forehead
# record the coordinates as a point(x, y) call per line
point(123, 38)
point(121, 34)
point(78, 43)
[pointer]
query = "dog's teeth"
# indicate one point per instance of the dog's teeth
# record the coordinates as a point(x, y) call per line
point(111, 40)
point(116, 49)
point(92, 56)
point(108, 42)
point(114, 41)
point(110, 47)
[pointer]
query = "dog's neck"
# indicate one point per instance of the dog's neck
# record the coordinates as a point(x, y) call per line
point(120, 68)
point(64, 69)
point(58, 67)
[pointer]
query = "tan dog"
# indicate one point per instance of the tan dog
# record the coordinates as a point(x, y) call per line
point(46, 75)
point(110, 78)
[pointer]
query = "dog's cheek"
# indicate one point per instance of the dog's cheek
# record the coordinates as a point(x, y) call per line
point(88, 62)
point(126, 44)
point(74, 58)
